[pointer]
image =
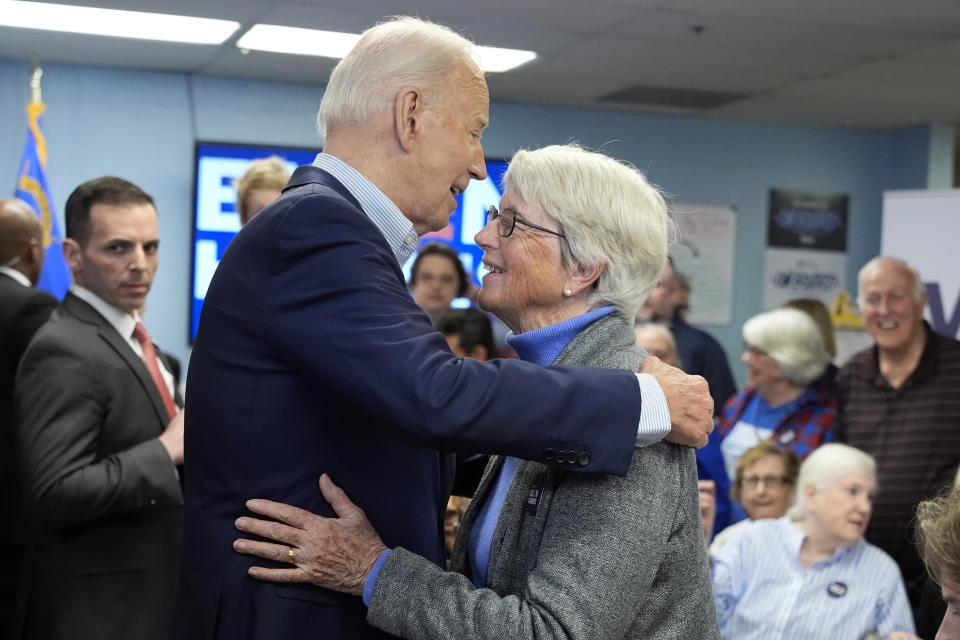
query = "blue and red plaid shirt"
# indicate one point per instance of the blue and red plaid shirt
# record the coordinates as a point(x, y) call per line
point(802, 431)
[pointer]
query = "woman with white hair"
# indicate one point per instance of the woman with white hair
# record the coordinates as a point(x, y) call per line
point(784, 353)
point(811, 574)
point(573, 249)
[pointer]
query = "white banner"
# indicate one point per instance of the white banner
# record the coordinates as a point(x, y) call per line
point(923, 228)
point(704, 253)
point(803, 273)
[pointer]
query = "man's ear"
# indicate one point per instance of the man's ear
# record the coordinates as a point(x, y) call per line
point(408, 116)
point(72, 254)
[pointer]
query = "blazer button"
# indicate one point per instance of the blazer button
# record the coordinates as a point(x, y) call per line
point(548, 453)
point(584, 459)
point(571, 457)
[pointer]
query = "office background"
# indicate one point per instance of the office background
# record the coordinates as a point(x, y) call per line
point(142, 126)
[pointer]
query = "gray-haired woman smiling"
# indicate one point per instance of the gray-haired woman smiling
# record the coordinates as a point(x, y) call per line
point(574, 248)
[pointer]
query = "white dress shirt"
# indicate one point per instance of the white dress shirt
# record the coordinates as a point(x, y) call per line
point(124, 323)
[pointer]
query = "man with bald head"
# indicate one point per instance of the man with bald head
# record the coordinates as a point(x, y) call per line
point(22, 310)
point(899, 402)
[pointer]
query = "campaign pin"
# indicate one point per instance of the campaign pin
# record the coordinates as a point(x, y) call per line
point(837, 589)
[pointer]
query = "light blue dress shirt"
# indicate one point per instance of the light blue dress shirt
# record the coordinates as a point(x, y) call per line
point(762, 590)
point(395, 227)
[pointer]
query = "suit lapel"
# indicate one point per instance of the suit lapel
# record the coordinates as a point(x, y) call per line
point(85, 313)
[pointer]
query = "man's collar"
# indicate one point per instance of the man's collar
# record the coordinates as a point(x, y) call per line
point(395, 227)
point(16, 275)
point(119, 319)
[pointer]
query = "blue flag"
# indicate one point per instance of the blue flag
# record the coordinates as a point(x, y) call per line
point(32, 188)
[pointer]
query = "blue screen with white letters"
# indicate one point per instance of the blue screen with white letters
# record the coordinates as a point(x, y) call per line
point(216, 220)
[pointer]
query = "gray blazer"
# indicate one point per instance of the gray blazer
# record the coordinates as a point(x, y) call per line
point(597, 556)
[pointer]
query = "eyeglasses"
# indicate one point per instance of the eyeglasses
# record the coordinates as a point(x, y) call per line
point(770, 481)
point(509, 219)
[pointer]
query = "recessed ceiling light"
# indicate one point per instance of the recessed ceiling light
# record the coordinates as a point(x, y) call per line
point(334, 44)
point(113, 22)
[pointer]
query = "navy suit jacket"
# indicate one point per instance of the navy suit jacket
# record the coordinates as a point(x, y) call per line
point(312, 357)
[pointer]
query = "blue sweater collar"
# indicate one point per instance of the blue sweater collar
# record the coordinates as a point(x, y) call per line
point(542, 346)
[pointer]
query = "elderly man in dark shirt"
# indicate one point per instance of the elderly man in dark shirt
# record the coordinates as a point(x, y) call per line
point(899, 401)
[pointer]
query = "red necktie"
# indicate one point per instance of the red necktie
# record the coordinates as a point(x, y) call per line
point(150, 358)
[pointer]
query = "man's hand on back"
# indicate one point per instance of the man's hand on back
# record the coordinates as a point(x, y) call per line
point(689, 402)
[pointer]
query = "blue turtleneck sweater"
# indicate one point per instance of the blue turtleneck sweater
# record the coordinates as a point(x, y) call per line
point(540, 346)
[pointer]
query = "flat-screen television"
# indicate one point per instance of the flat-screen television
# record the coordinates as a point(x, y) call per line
point(215, 218)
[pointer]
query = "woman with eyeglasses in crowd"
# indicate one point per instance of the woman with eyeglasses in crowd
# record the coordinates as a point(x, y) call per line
point(763, 485)
point(785, 355)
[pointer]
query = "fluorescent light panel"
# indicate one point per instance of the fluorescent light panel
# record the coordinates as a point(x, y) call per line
point(334, 44)
point(304, 42)
point(113, 22)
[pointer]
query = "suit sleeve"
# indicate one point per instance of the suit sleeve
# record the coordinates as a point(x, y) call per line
point(61, 410)
point(603, 548)
point(339, 311)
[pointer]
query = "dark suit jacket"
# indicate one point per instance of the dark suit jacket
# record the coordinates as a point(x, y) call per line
point(22, 311)
point(311, 357)
point(105, 497)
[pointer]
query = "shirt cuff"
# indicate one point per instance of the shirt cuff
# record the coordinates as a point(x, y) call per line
point(372, 577)
point(654, 414)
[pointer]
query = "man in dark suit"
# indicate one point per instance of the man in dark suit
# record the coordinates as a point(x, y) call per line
point(22, 310)
point(99, 436)
point(311, 356)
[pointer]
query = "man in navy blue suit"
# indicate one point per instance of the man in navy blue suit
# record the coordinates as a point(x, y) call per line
point(311, 356)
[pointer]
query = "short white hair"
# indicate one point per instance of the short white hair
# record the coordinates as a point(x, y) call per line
point(793, 340)
point(824, 467)
point(400, 52)
point(919, 291)
point(609, 214)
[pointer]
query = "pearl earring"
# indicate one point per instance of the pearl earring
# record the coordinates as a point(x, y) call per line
point(567, 293)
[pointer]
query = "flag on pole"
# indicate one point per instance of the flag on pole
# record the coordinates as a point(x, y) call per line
point(32, 188)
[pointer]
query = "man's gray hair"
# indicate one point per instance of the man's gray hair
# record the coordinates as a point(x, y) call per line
point(824, 467)
point(919, 291)
point(609, 214)
point(400, 52)
point(793, 340)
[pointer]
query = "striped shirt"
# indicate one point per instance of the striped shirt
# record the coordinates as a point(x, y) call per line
point(395, 227)
point(762, 590)
point(914, 434)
